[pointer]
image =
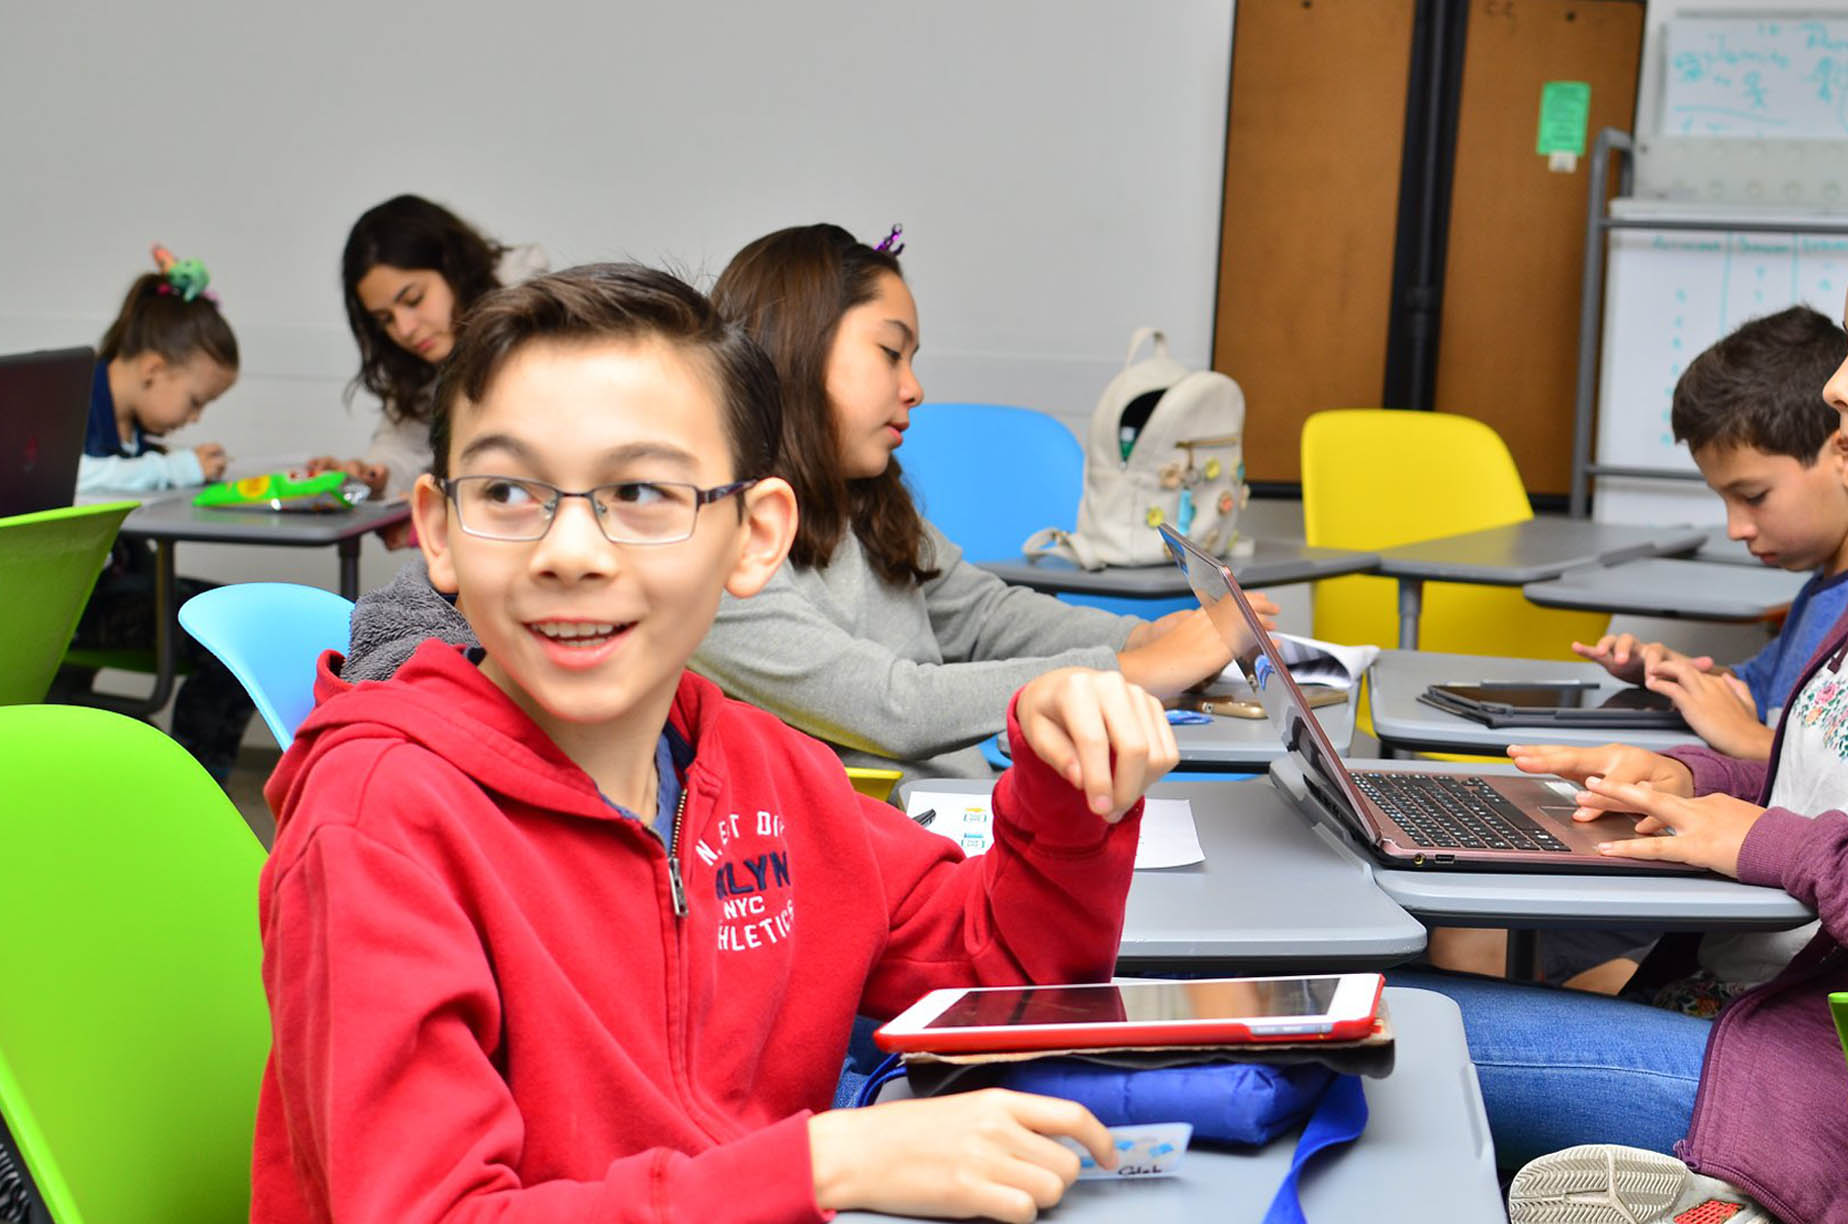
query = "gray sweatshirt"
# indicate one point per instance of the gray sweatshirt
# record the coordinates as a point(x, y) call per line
point(913, 677)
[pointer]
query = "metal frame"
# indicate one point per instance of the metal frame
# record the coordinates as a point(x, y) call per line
point(1598, 224)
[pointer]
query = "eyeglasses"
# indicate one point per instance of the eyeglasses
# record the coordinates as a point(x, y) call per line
point(628, 512)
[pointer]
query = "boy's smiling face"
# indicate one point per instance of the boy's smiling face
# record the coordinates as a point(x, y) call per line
point(579, 631)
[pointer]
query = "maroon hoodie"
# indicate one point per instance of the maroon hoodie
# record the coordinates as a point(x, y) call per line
point(493, 1000)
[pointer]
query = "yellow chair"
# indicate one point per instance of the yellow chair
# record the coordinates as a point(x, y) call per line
point(874, 783)
point(1376, 478)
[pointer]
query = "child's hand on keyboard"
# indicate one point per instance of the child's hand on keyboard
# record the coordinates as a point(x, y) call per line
point(1618, 764)
point(1708, 831)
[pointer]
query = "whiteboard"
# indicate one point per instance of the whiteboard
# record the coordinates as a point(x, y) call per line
point(1756, 78)
point(1667, 297)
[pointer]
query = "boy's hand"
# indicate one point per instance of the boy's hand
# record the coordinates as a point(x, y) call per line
point(1615, 763)
point(1707, 832)
point(1710, 702)
point(1630, 660)
point(211, 458)
point(1186, 651)
point(967, 1154)
point(1101, 733)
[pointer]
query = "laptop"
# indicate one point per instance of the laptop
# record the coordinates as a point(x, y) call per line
point(44, 408)
point(1562, 703)
point(1436, 819)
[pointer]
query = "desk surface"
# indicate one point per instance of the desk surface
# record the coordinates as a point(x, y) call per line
point(1718, 547)
point(1539, 548)
point(1273, 562)
point(174, 517)
point(1401, 721)
point(1273, 893)
point(1528, 899)
point(1657, 586)
point(1254, 742)
point(1425, 1155)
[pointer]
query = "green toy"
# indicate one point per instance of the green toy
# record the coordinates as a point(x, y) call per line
point(284, 491)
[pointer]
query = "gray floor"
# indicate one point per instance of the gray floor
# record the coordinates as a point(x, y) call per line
point(253, 769)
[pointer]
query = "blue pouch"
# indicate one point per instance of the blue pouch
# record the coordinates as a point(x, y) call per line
point(1249, 1103)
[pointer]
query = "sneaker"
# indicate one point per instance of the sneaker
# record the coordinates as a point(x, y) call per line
point(1603, 1183)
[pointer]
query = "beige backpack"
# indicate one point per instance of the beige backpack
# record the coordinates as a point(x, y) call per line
point(1166, 445)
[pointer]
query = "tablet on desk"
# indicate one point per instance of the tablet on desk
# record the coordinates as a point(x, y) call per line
point(1210, 1011)
point(1575, 703)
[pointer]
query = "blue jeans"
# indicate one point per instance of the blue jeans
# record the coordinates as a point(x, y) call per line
point(1559, 1067)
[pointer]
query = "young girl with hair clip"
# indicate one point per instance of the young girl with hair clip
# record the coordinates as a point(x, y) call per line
point(876, 635)
point(167, 355)
point(409, 271)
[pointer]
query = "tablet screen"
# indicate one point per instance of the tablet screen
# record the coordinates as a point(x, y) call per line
point(1140, 1001)
point(1567, 696)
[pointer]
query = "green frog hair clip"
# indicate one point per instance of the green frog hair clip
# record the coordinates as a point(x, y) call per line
point(185, 278)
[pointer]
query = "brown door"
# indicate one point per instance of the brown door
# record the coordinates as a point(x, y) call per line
point(1313, 138)
point(1508, 339)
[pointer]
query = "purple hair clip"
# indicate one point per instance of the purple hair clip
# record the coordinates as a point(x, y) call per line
point(890, 243)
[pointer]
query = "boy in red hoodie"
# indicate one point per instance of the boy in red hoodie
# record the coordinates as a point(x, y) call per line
point(554, 931)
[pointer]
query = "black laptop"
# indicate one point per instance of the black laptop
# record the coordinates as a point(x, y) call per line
point(44, 408)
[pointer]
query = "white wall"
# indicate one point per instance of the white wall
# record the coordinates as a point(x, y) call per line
point(1056, 164)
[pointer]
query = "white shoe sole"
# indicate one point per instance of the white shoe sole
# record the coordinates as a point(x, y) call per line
point(1606, 1184)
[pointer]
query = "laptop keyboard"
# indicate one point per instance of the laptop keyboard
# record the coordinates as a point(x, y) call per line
point(1449, 810)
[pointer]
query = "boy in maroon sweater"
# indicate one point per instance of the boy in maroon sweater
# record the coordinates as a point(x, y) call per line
point(554, 931)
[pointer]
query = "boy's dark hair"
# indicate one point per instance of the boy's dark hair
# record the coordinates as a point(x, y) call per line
point(1761, 387)
point(166, 323)
point(615, 301)
point(412, 233)
point(790, 289)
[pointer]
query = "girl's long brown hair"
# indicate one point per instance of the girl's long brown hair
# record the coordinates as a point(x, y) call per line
point(789, 290)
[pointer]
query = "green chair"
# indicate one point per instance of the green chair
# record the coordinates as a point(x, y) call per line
point(133, 1027)
point(51, 560)
point(1838, 1005)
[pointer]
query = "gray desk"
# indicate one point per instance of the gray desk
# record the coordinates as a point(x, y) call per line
point(1525, 902)
point(1273, 562)
point(1518, 554)
point(1425, 1155)
point(1273, 893)
point(1654, 586)
point(171, 518)
point(1719, 547)
point(1403, 723)
point(1243, 743)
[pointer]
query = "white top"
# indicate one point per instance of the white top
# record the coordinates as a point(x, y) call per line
point(1812, 777)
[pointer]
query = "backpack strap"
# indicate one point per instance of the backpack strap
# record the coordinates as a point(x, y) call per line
point(1339, 1118)
point(1142, 336)
point(1057, 542)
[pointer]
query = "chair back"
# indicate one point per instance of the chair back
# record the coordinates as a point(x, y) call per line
point(988, 476)
point(1838, 1007)
point(1377, 478)
point(269, 634)
point(51, 560)
point(133, 1026)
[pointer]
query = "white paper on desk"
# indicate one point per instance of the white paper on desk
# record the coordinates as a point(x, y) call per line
point(1169, 838)
point(1316, 662)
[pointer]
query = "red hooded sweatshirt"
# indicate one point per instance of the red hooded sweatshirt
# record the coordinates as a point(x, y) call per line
point(491, 1001)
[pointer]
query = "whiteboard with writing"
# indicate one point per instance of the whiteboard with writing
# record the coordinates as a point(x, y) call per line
point(1667, 297)
point(1757, 78)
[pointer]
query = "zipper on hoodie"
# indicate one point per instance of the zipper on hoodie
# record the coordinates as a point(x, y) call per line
point(673, 858)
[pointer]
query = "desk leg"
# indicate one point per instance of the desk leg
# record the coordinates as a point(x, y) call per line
point(1523, 956)
point(166, 644)
point(349, 568)
point(1411, 604)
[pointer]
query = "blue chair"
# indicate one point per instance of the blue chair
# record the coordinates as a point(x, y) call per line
point(270, 634)
point(988, 476)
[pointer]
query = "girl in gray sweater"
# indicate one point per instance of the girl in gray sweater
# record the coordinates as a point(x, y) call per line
point(876, 635)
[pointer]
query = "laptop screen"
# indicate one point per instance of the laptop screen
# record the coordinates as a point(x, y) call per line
point(1226, 606)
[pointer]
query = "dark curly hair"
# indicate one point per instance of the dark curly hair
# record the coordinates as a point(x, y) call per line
point(412, 233)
